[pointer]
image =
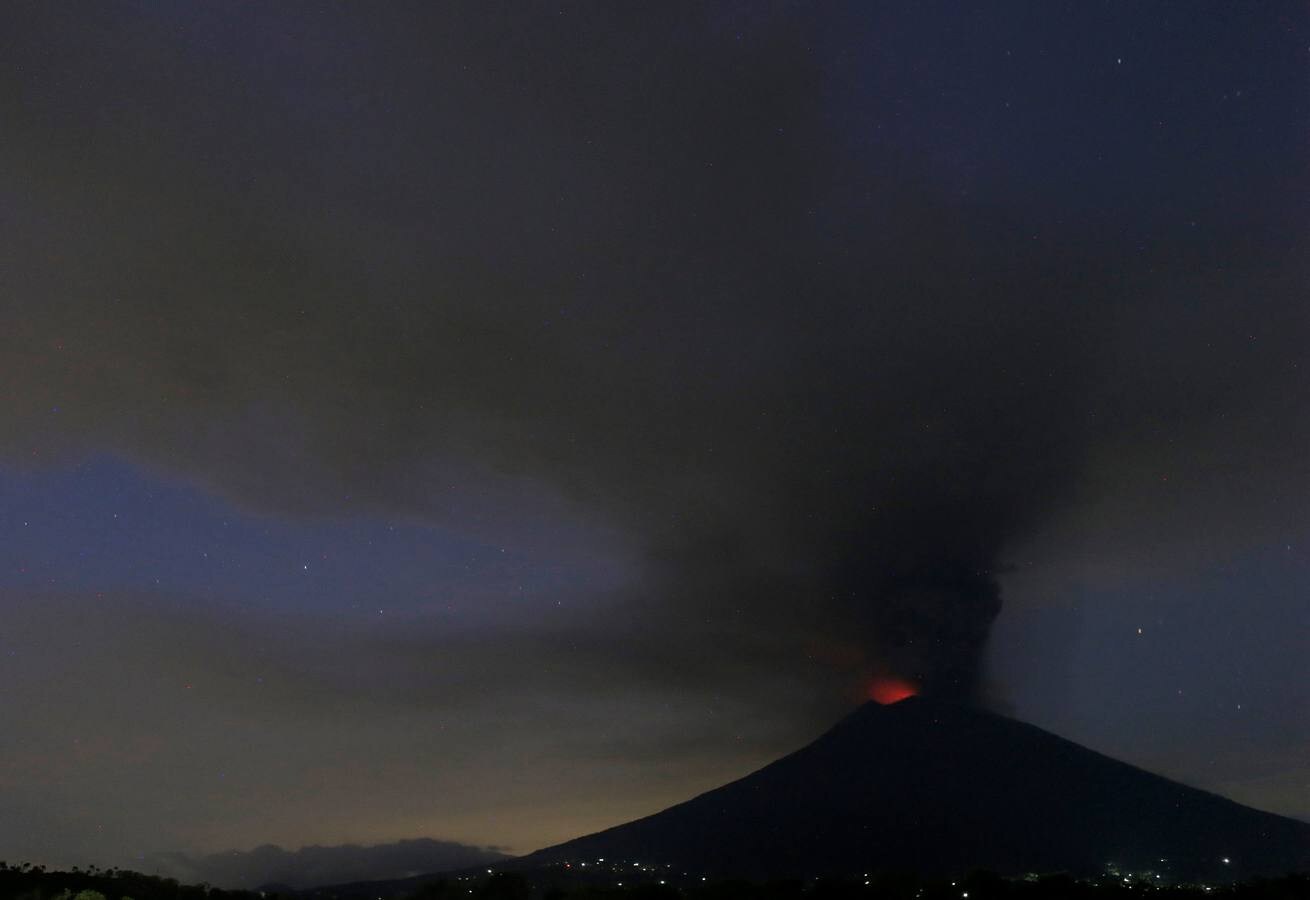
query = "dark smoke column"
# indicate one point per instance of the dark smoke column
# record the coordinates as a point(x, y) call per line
point(930, 626)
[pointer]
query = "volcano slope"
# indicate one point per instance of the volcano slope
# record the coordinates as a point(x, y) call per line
point(940, 788)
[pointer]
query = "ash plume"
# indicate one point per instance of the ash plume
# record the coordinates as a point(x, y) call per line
point(820, 386)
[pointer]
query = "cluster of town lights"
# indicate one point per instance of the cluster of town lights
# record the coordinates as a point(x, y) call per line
point(1126, 878)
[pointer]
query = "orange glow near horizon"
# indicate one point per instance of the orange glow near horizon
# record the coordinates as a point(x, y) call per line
point(888, 690)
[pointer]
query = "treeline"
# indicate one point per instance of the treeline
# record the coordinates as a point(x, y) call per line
point(978, 886)
point(28, 882)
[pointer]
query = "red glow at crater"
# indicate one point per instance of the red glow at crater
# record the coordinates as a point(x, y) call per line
point(891, 690)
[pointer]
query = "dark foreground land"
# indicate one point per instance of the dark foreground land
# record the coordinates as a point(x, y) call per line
point(34, 883)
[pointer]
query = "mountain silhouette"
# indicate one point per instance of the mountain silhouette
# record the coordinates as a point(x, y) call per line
point(271, 869)
point(939, 788)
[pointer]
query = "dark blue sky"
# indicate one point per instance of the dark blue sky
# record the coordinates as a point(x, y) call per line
point(105, 524)
point(495, 425)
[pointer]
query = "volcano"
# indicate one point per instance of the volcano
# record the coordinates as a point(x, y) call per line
point(939, 788)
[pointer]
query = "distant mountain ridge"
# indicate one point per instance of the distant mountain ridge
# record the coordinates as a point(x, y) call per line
point(940, 788)
point(269, 865)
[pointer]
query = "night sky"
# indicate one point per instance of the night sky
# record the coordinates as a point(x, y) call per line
point(496, 422)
